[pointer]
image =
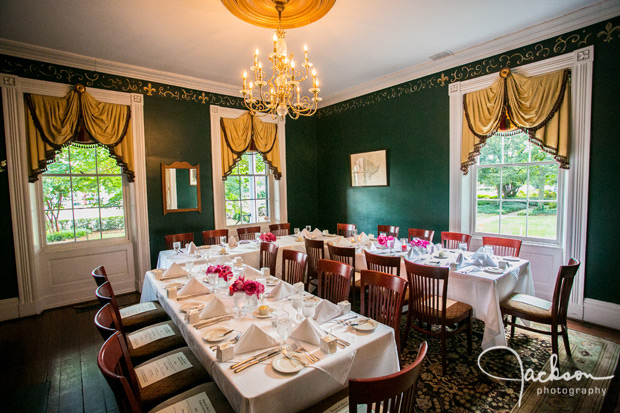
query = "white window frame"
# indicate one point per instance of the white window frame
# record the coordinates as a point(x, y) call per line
point(575, 217)
point(277, 188)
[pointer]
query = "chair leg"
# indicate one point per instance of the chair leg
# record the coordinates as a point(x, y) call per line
point(566, 343)
point(554, 340)
point(407, 327)
point(469, 333)
point(513, 320)
point(443, 355)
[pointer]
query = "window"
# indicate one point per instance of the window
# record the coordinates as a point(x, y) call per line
point(517, 191)
point(247, 191)
point(83, 196)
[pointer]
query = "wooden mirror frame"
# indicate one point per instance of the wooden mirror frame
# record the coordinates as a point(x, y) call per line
point(180, 165)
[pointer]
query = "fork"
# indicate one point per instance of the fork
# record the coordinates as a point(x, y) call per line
point(311, 358)
point(232, 341)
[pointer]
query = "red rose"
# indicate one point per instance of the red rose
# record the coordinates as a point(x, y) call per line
point(250, 287)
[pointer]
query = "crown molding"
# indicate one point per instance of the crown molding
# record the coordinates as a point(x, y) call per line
point(44, 54)
point(584, 17)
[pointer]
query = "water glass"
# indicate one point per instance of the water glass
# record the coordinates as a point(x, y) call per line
point(296, 231)
point(297, 302)
point(223, 240)
point(308, 228)
point(257, 237)
point(309, 308)
point(189, 266)
point(177, 247)
point(463, 246)
point(212, 279)
point(354, 232)
point(283, 327)
point(240, 298)
point(489, 250)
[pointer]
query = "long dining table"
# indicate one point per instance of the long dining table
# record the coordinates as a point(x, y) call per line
point(474, 286)
point(261, 388)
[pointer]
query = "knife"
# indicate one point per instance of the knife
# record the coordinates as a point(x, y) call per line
point(252, 358)
point(213, 321)
point(185, 297)
point(268, 356)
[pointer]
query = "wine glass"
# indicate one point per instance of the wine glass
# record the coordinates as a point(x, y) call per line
point(308, 228)
point(297, 302)
point(223, 240)
point(257, 237)
point(177, 247)
point(189, 266)
point(283, 326)
point(463, 246)
point(309, 308)
point(240, 298)
point(390, 243)
point(296, 230)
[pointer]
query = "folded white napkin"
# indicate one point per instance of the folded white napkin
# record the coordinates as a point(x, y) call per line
point(415, 253)
point(325, 311)
point(459, 259)
point(373, 248)
point(308, 331)
point(281, 290)
point(254, 338)
point(299, 287)
point(232, 242)
point(343, 242)
point(371, 236)
point(215, 308)
point(398, 246)
point(193, 286)
point(190, 248)
point(175, 270)
point(250, 272)
point(317, 233)
point(304, 233)
point(364, 240)
point(481, 259)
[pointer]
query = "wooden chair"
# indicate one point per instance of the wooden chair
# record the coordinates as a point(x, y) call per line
point(212, 237)
point(382, 263)
point(99, 274)
point(105, 295)
point(293, 266)
point(280, 230)
point(248, 233)
point(555, 315)
point(334, 280)
point(346, 230)
point(268, 254)
point(503, 246)
point(107, 324)
point(451, 240)
point(428, 304)
point(116, 366)
point(382, 297)
point(388, 229)
point(394, 393)
point(184, 239)
point(424, 234)
point(316, 251)
point(346, 255)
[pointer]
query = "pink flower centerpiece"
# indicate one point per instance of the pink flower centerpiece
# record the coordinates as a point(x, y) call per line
point(267, 237)
point(383, 240)
point(222, 271)
point(419, 243)
point(250, 287)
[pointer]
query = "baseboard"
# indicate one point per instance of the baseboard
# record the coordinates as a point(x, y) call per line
point(601, 313)
point(9, 309)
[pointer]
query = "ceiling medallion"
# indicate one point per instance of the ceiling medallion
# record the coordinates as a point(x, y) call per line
point(262, 13)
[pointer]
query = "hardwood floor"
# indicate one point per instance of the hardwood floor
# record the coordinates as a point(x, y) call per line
point(60, 346)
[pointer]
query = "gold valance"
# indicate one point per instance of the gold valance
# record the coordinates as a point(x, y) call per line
point(537, 105)
point(245, 133)
point(52, 123)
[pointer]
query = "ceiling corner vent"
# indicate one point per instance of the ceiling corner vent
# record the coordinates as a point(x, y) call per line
point(441, 55)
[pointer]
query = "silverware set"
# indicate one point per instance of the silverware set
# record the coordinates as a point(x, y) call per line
point(212, 321)
point(265, 355)
point(231, 341)
point(187, 297)
point(310, 357)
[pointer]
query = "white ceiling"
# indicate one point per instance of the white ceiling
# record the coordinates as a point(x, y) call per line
point(357, 42)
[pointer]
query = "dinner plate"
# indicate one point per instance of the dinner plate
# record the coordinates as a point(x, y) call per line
point(215, 334)
point(494, 270)
point(191, 306)
point(367, 326)
point(440, 258)
point(178, 285)
point(258, 315)
point(272, 281)
point(283, 364)
point(515, 259)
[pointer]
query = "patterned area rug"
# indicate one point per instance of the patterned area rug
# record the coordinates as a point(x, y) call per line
point(465, 388)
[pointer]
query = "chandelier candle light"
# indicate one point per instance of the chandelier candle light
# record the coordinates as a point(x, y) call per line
point(281, 94)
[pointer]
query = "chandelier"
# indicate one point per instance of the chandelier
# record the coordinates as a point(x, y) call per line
point(284, 90)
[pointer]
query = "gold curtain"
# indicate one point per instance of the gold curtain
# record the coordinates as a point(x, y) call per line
point(537, 105)
point(52, 123)
point(245, 133)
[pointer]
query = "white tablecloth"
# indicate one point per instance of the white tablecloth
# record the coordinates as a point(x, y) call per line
point(262, 389)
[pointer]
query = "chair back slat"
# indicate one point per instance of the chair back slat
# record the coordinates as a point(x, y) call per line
point(99, 275)
point(388, 229)
point(280, 230)
point(346, 230)
point(268, 254)
point(428, 292)
point(561, 293)
point(334, 280)
point(383, 263)
point(450, 240)
point(503, 246)
point(345, 255)
point(212, 236)
point(293, 266)
point(395, 393)
point(316, 251)
point(425, 234)
point(184, 239)
point(248, 233)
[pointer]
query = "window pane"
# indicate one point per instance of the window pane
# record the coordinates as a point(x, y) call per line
point(544, 177)
point(57, 192)
point(244, 165)
point(247, 209)
point(516, 149)
point(514, 218)
point(514, 180)
point(85, 192)
point(487, 217)
point(233, 213)
point(263, 211)
point(260, 165)
point(232, 189)
point(488, 183)
point(111, 191)
point(105, 163)
point(245, 187)
point(538, 155)
point(112, 222)
point(83, 160)
point(261, 187)
point(543, 217)
point(491, 153)
point(87, 225)
point(60, 165)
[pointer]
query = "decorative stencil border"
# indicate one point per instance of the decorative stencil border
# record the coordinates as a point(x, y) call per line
point(599, 34)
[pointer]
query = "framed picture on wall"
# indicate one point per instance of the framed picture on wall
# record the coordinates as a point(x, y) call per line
point(369, 168)
point(192, 177)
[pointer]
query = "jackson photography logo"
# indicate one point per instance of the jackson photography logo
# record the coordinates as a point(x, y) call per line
point(543, 377)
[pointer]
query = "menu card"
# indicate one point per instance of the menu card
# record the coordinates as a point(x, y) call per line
point(343, 407)
point(137, 309)
point(160, 369)
point(148, 335)
point(198, 403)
